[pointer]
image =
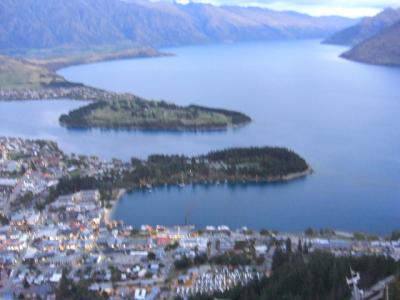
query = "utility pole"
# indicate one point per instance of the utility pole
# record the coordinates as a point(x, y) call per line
point(387, 292)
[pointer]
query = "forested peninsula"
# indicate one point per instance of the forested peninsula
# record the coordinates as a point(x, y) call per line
point(25, 80)
point(234, 165)
point(159, 115)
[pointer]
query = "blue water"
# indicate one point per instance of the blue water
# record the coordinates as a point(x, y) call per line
point(341, 116)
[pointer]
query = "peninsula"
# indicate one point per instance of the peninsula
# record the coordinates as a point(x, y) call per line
point(136, 113)
point(27, 80)
point(234, 165)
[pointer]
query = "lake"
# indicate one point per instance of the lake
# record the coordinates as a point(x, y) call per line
point(342, 117)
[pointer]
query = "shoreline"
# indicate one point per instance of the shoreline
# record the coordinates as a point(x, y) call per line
point(90, 94)
point(58, 63)
point(276, 180)
point(194, 129)
point(54, 64)
point(66, 90)
point(108, 212)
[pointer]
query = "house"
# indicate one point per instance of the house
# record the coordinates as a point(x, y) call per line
point(3, 153)
point(261, 249)
point(140, 294)
point(56, 277)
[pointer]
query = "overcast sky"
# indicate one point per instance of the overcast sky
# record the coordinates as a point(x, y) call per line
point(350, 8)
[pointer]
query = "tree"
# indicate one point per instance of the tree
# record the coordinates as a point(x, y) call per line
point(115, 274)
point(299, 247)
point(69, 290)
point(288, 245)
point(309, 232)
point(218, 245)
point(26, 284)
point(317, 276)
point(395, 235)
point(183, 263)
point(151, 256)
point(279, 259)
point(209, 247)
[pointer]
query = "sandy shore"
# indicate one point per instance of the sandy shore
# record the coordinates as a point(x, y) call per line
point(108, 212)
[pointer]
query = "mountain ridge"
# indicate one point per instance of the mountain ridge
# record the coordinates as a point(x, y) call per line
point(381, 49)
point(30, 24)
point(365, 29)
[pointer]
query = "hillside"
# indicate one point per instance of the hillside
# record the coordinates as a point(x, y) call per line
point(367, 28)
point(39, 70)
point(383, 49)
point(15, 74)
point(25, 80)
point(31, 24)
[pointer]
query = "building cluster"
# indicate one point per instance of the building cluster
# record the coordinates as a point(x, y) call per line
point(354, 247)
point(212, 280)
point(68, 91)
point(27, 167)
point(75, 237)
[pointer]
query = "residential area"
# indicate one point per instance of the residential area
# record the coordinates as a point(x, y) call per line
point(74, 237)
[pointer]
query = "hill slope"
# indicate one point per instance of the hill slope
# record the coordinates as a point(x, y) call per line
point(366, 29)
point(32, 24)
point(383, 49)
point(16, 73)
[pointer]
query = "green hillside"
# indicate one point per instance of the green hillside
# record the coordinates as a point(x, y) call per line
point(17, 74)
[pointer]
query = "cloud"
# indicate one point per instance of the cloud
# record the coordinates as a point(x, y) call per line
point(349, 8)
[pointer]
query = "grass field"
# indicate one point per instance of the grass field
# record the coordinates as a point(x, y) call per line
point(20, 74)
point(37, 67)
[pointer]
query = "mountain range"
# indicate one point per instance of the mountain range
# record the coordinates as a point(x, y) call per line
point(374, 40)
point(365, 29)
point(32, 24)
point(382, 49)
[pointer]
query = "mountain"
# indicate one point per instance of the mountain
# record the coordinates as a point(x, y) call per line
point(383, 48)
point(368, 27)
point(32, 24)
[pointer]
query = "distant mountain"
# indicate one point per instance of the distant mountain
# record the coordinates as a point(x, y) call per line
point(32, 24)
point(368, 27)
point(383, 48)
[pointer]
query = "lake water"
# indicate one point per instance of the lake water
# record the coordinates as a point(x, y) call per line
point(342, 117)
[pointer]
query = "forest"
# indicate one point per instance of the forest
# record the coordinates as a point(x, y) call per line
point(314, 276)
point(235, 165)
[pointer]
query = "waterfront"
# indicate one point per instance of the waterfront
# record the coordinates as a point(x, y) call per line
point(340, 116)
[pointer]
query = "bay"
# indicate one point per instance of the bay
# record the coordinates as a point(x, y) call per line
point(341, 116)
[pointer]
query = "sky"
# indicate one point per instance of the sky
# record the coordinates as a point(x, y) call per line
point(347, 8)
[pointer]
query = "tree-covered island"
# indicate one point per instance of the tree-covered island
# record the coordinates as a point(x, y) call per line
point(137, 113)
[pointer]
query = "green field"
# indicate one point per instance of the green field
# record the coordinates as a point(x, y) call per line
point(20, 74)
point(37, 67)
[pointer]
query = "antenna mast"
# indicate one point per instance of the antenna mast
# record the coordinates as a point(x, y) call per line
point(352, 282)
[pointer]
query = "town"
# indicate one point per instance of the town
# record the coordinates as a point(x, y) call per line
point(49, 236)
